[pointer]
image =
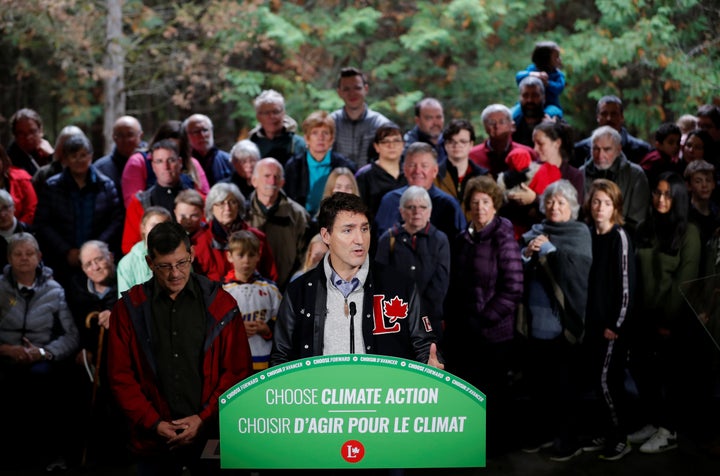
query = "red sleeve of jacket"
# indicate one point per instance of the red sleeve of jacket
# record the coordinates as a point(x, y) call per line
point(131, 230)
point(128, 370)
point(23, 193)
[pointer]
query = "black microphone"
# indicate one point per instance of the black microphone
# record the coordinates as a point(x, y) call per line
point(353, 311)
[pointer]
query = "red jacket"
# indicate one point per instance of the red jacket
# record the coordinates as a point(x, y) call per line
point(211, 256)
point(131, 363)
point(482, 155)
point(22, 191)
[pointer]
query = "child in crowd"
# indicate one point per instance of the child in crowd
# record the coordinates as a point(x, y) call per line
point(665, 157)
point(704, 212)
point(686, 123)
point(611, 292)
point(258, 298)
point(521, 170)
point(546, 65)
point(189, 212)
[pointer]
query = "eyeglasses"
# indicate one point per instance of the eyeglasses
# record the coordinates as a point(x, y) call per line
point(271, 112)
point(462, 142)
point(391, 141)
point(197, 132)
point(228, 202)
point(500, 122)
point(181, 266)
point(414, 208)
point(93, 262)
point(169, 160)
point(660, 194)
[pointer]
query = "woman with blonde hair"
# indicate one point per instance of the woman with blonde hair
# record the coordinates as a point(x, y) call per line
point(341, 179)
point(316, 250)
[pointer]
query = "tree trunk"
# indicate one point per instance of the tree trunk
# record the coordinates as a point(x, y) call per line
point(114, 82)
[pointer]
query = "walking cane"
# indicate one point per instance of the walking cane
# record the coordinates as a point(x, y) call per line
point(96, 373)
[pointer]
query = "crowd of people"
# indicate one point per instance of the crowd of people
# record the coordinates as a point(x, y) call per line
point(547, 271)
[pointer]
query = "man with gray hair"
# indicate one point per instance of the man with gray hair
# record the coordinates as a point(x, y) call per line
point(283, 220)
point(499, 126)
point(275, 135)
point(243, 157)
point(421, 169)
point(355, 122)
point(610, 112)
point(198, 128)
point(609, 162)
point(531, 110)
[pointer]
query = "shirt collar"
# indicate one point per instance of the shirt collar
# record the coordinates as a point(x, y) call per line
point(346, 287)
point(91, 288)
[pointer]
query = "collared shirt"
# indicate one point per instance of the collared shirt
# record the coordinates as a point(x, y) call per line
point(338, 305)
point(92, 290)
point(178, 334)
point(345, 287)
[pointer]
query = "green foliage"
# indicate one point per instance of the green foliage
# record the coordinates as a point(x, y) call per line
point(279, 29)
point(216, 56)
point(640, 52)
point(353, 25)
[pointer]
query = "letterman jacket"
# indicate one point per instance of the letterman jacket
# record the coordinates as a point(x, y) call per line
point(391, 321)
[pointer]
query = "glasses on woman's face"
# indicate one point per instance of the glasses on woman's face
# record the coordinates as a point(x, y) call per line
point(97, 261)
point(228, 202)
point(662, 194)
point(413, 208)
point(180, 266)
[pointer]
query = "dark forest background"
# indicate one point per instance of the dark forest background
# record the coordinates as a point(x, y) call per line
point(87, 62)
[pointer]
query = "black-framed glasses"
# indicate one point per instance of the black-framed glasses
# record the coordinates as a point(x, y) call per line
point(181, 265)
point(664, 194)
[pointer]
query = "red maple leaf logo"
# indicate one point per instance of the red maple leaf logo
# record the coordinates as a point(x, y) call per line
point(395, 309)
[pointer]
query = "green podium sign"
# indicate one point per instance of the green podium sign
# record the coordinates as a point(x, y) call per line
point(352, 411)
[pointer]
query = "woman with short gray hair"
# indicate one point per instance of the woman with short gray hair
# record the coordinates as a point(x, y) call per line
point(486, 284)
point(557, 254)
point(418, 249)
point(224, 211)
point(243, 157)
